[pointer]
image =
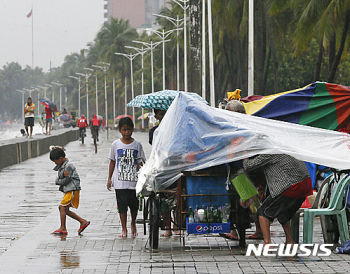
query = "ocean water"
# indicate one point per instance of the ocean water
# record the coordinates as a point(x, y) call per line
point(12, 131)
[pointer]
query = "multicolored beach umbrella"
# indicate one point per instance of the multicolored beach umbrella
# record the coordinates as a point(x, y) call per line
point(321, 105)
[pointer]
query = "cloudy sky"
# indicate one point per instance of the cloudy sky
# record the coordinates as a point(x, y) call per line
point(61, 27)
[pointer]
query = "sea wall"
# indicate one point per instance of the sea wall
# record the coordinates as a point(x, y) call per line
point(20, 149)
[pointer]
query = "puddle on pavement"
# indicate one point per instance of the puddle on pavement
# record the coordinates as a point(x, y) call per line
point(69, 259)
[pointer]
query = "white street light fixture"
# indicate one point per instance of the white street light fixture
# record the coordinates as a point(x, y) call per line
point(60, 85)
point(79, 80)
point(48, 85)
point(22, 91)
point(104, 68)
point(131, 57)
point(163, 35)
point(150, 46)
point(142, 51)
point(44, 88)
point(184, 6)
point(176, 23)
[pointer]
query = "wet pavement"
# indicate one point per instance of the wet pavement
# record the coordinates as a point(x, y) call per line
point(28, 214)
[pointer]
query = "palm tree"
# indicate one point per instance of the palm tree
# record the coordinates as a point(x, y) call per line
point(113, 37)
point(329, 22)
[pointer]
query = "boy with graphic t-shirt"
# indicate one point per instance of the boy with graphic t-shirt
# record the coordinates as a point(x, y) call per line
point(126, 157)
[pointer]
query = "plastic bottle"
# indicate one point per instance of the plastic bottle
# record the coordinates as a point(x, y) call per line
point(205, 219)
point(210, 215)
point(190, 218)
point(218, 215)
point(196, 218)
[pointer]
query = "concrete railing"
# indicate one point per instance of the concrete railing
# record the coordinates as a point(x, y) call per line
point(20, 149)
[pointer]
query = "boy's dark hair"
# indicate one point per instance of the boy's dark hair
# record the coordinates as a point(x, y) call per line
point(125, 121)
point(56, 154)
point(159, 112)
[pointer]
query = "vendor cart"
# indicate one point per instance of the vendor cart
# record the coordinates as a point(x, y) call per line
point(203, 188)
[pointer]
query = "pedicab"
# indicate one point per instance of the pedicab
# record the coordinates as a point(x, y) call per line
point(195, 140)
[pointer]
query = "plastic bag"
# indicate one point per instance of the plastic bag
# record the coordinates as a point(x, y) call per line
point(244, 187)
point(344, 249)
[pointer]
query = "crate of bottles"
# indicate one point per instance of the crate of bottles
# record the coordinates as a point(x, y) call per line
point(207, 185)
point(206, 228)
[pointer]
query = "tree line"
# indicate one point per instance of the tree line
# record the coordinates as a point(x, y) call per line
point(297, 42)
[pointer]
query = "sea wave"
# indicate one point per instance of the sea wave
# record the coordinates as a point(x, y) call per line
point(12, 131)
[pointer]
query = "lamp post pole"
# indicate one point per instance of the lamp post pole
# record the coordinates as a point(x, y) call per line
point(87, 93)
point(86, 75)
point(251, 49)
point(211, 57)
point(150, 46)
point(22, 91)
point(44, 88)
point(184, 6)
point(131, 57)
point(142, 51)
point(96, 93)
point(176, 23)
point(60, 85)
point(163, 35)
point(104, 67)
point(78, 79)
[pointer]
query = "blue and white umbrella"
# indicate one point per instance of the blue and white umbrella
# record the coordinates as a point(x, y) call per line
point(159, 100)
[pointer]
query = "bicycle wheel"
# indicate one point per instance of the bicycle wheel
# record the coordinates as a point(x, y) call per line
point(82, 135)
point(95, 142)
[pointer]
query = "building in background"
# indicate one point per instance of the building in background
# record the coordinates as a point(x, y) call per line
point(138, 12)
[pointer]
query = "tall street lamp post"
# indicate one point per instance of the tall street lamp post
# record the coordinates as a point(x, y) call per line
point(60, 85)
point(131, 57)
point(104, 67)
point(79, 80)
point(177, 24)
point(86, 75)
point(150, 46)
point(163, 35)
point(22, 91)
point(184, 6)
point(142, 51)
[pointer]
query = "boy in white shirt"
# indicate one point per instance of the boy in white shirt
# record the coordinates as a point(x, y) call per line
point(124, 163)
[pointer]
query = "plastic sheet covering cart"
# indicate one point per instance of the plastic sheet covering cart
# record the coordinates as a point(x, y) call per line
point(194, 136)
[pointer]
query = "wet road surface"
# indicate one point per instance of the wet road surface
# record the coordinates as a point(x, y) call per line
point(28, 214)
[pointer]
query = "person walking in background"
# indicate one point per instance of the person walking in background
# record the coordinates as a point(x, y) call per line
point(69, 182)
point(48, 118)
point(126, 155)
point(29, 108)
point(73, 114)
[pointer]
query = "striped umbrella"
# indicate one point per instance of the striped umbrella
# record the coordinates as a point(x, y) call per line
point(159, 100)
point(321, 105)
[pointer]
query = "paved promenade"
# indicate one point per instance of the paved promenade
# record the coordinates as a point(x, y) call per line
point(28, 214)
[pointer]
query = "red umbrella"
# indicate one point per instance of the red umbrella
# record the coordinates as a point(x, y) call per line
point(123, 116)
point(49, 103)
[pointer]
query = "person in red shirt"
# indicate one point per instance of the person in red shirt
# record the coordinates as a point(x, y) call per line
point(95, 124)
point(82, 124)
point(48, 118)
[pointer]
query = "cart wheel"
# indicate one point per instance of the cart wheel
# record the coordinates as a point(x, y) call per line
point(154, 222)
